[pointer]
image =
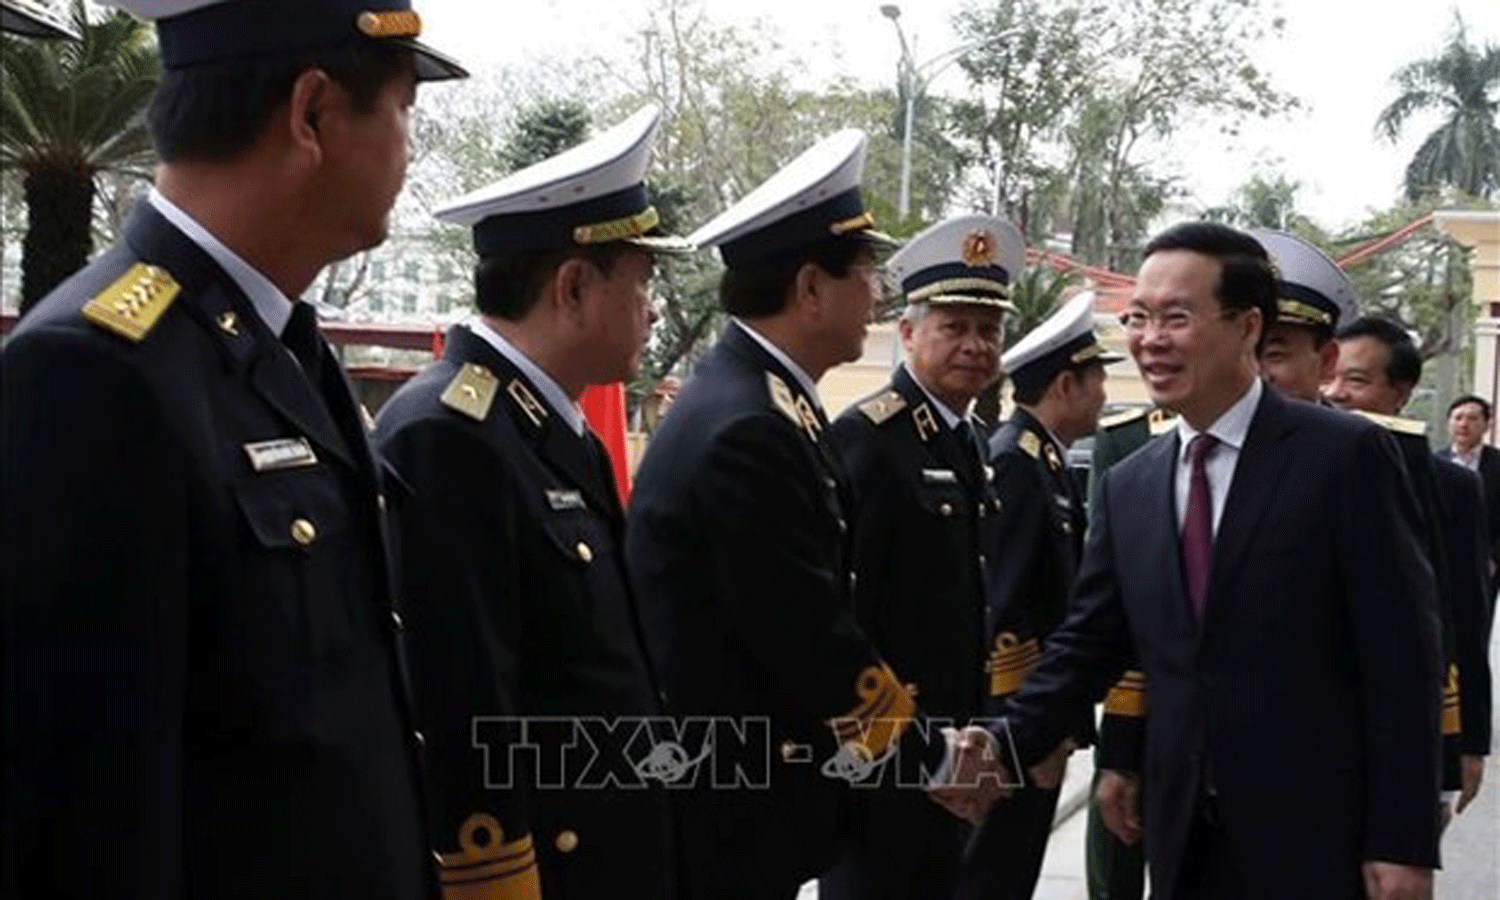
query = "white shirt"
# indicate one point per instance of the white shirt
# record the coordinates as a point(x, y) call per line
point(1230, 428)
point(552, 392)
point(808, 386)
point(273, 307)
point(1468, 460)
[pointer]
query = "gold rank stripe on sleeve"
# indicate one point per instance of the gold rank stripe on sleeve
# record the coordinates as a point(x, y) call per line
point(487, 867)
point(884, 710)
point(1452, 722)
point(1128, 696)
point(471, 392)
point(1010, 662)
point(131, 306)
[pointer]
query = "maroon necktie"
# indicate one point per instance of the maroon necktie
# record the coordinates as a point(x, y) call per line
point(1198, 524)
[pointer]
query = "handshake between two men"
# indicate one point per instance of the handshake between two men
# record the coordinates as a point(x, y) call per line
point(977, 775)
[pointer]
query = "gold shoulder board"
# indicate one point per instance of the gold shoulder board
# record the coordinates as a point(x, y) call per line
point(880, 409)
point(1398, 425)
point(132, 305)
point(781, 397)
point(471, 392)
point(1124, 418)
point(1030, 444)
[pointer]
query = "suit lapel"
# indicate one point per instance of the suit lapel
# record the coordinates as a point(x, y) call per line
point(1257, 474)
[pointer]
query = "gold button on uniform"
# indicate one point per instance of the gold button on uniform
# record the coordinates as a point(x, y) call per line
point(380, 501)
point(420, 738)
point(585, 552)
point(303, 532)
point(398, 624)
point(946, 509)
point(567, 841)
point(788, 751)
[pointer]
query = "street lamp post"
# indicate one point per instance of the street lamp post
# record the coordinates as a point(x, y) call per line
point(911, 80)
point(909, 88)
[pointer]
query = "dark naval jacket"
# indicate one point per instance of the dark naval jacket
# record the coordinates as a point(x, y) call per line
point(738, 547)
point(202, 693)
point(923, 511)
point(533, 685)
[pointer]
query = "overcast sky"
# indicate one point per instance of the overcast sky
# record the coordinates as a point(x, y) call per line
point(1336, 55)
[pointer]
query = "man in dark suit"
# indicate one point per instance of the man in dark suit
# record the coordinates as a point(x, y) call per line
point(1292, 747)
point(1468, 423)
point(511, 540)
point(1378, 367)
point(738, 544)
point(1057, 373)
point(923, 514)
point(1313, 295)
point(202, 692)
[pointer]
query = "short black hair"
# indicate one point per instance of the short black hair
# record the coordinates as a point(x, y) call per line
point(215, 111)
point(761, 289)
point(1483, 404)
point(1246, 279)
point(508, 287)
point(1032, 393)
point(1404, 367)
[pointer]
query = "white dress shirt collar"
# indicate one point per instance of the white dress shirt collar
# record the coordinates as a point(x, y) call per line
point(808, 387)
point(1468, 460)
point(1230, 428)
point(273, 307)
point(552, 392)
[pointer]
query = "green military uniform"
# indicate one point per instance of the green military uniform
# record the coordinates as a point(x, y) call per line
point(1116, 871)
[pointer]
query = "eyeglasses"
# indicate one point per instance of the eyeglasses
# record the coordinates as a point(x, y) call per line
point(1172, 320)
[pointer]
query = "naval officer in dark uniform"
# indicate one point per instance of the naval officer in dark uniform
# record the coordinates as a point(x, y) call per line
point(1057, 374)
point(923, 505)
point(510, 532)
point(738, 544)
point(1377, 369)
point(202, 691)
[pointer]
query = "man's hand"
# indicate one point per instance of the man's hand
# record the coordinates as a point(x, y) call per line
point(1394, 881)
point(1119, 799)
point(1049, 773)
point(1472, 775)
point(976, 777)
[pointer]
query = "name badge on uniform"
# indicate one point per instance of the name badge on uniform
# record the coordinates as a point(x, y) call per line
point(561, 501)
point(939, 476)
point(282, 453)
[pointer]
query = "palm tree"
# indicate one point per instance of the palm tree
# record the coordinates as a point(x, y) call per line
point(70, 111)
point(1463, 83)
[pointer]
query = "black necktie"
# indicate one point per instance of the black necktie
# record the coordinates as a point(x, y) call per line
point(968, 445)
point(302, 337)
